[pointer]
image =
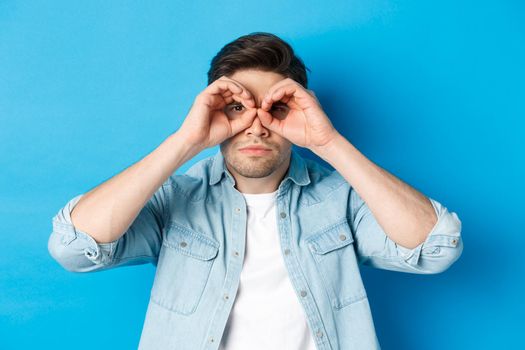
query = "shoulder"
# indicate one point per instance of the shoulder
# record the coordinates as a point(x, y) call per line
point(324, 183)
point(194, 183)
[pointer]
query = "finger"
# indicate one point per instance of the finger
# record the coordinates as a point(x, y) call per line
point(284, 93)
point(269, 122)
point(221, 93)
point(238, 98)
point(245, 93)
point(270, 96)
point(278, 85)
point(294, 95)
point(238, 125)
point(312, 92)
point(228, 94)
point(221, 86)
point(216, 94)
point(247, 102)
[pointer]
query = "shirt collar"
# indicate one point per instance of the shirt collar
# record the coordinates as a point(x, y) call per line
point(297, 172)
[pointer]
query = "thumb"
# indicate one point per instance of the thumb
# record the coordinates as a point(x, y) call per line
point(268, 121)
point(238, 125)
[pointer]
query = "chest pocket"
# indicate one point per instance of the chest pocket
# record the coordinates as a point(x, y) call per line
point(334, 254)
point(183, 269)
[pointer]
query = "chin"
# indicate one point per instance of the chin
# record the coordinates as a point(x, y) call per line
point(254, 166)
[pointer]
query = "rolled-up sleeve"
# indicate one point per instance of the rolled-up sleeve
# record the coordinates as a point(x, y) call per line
point(442, 247)
point(77, 251)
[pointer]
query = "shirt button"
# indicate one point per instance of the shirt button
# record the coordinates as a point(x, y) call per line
point(303, 293)
point(287, 251)
point(183, 244)
point(236, 253)
point(342, 237)
point(212, 340)
point(283, 214)
point(454, 241)
point(320, 334)
point(226, 297)
point(238, 210)
point(90, 253)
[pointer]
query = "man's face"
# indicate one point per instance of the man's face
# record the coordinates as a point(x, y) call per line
point(256, 164)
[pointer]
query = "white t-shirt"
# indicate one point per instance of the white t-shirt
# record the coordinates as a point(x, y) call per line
point(267, 313)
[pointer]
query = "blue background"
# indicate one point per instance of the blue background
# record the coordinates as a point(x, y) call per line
point(433, 92)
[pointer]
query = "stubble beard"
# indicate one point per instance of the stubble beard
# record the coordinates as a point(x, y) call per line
point(255, 166)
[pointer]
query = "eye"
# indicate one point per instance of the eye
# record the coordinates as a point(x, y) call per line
point(237, 107)
point(280, 107)
point(279, 111)
point(234, 110)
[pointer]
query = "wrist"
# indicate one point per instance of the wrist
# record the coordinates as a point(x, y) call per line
point(328, 148)
point(183, 145)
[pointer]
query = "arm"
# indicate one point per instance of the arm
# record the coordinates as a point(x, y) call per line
point(394, 224)
point(406, 215)
point(121, 220)
point(117, 202)
point(395, 227)
point(442, 247)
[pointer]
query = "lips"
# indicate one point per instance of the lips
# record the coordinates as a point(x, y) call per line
point(254, 148)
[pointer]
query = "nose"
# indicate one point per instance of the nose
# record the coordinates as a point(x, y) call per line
point(257, 128)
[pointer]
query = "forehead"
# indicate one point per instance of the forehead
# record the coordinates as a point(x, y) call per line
point(258, 82)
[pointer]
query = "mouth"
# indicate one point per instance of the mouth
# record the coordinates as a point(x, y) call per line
point(255, 150)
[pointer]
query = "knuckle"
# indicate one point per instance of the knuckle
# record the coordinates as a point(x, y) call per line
point(202, 98)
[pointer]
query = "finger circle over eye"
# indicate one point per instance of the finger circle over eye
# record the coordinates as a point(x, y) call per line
point(240, 90)
point(246, 95)
point(239, 99)
point(228, 99)
point(250, 102)
point(227, 86)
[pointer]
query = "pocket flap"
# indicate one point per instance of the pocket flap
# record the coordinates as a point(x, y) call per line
point(190, 242)
point(331, 239)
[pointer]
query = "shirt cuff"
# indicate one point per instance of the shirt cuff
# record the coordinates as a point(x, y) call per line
point(98, 253)
point(446, 234)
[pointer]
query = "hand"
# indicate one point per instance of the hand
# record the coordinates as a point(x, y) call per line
point(207, 124)
point(303, 122)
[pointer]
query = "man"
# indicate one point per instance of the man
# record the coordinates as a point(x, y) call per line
point(256, 247)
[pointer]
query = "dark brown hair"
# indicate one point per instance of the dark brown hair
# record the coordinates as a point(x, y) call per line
point(258, 50)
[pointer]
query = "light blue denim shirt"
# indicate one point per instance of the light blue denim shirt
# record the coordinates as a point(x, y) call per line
point(193, 230)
